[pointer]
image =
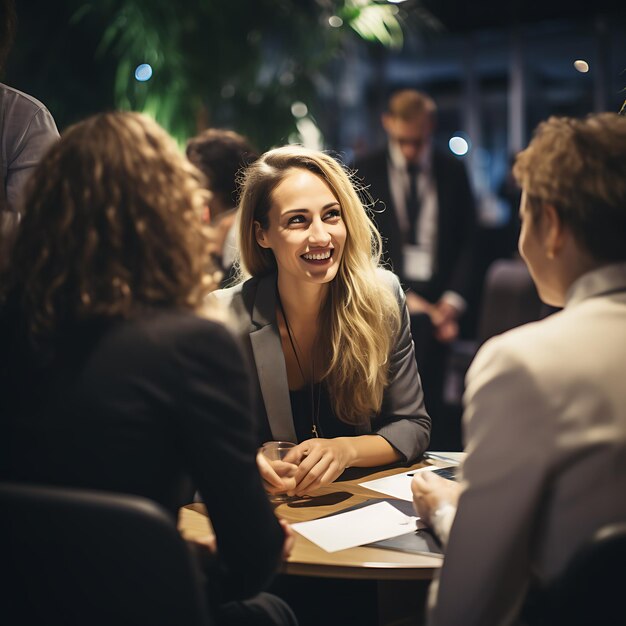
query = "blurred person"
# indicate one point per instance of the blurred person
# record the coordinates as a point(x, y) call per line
point(426, 216)
point(428, 220)
point(221, 155)
point(327, 328)
point(26, 130)
point(545, 404)
point(108, 377)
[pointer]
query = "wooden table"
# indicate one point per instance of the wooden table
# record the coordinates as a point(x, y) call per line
point(388, 567)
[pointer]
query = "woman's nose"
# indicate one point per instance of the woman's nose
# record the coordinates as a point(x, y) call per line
point(318, 232)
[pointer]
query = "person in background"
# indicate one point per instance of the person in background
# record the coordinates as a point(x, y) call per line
point(327, 329)
point(109, 379)
point(221, 155)
point(545, 404)
point(426, 215)
point(26, 130)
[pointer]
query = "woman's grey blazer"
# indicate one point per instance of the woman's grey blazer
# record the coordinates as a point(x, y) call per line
point(402, 421)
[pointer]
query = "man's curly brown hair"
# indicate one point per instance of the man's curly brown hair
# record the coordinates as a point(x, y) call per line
point(111, 226)
point(579, 167)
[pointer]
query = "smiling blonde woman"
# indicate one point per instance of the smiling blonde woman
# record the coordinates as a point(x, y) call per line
point(326, 327)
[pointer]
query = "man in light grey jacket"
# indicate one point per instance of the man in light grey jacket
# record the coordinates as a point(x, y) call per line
point(545, 404)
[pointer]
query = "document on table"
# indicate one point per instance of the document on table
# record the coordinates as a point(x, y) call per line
point(398, 485)
point(357, 527)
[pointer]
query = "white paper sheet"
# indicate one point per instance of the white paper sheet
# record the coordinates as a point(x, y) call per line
point(356, 528)
point(399, 485)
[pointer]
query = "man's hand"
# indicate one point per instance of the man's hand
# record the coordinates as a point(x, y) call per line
point(432, 492)
point(320, 462)
point(278, 476)
point(444, 317)
point(417, 304)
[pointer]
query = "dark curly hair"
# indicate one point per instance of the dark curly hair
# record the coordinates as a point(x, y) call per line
point(112, 225)
point(221, 155)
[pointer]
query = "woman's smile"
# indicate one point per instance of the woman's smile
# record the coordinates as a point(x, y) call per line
point(318, 257)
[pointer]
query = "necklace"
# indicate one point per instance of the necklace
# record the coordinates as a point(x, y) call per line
point(315, 408)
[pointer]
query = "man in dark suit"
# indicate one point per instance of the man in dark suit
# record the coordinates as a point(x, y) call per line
point(425, 212)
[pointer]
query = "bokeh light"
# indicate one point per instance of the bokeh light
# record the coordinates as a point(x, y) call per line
point(459, 145)
point(299, 109)
point(143, 72)
point(581, 66)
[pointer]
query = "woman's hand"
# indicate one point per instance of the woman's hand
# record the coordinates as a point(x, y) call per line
point(290, 538)
point(432, 492)
point(207, 543)
point(277, 476)
point(320, 462)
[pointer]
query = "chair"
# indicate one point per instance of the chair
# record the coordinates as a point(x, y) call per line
point(591, 589)
point(72, 557)
point(509, 299)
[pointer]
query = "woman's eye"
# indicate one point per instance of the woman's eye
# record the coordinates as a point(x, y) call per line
point(296, 219)
point(333, 214)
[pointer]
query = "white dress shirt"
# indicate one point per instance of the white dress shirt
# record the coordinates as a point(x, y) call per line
point(420, 260)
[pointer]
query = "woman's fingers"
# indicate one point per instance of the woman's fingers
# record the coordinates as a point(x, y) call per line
point(317, 474)
point(308, 462)
point(290, 538)
point(296, 453)
point(278, 476)
point(327, 477)
point(267, 471)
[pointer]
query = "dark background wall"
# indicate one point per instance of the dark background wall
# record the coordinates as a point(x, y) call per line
point(495, 69)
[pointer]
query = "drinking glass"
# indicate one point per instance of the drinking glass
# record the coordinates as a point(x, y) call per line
point(277, 451)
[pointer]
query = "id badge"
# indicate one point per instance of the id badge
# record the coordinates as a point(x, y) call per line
point(418, 263)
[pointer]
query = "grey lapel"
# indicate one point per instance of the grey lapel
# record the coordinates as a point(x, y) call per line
point(270, 362)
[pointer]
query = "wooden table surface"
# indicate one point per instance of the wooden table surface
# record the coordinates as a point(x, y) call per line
point(307, 559)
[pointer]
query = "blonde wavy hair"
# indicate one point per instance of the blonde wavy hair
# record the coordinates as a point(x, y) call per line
point(360, 317)
point(579, 167)
point(111, 226)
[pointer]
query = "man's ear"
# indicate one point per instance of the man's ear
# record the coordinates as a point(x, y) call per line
point(386, 119)
point(554, 231)
point(259, 235)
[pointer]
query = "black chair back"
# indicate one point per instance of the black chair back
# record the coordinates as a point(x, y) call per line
point(509, 299)
point(592, 589)
point(72, 557)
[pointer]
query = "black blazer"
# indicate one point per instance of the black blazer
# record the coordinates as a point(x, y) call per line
point(456, 227)
point(403, 420)
point(145, 407)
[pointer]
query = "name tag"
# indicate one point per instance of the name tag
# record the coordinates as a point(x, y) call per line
point(418, 263)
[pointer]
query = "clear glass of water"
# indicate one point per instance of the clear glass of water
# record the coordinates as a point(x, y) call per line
point(277, 451)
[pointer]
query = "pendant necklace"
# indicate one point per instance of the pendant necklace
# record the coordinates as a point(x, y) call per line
point(315, 408)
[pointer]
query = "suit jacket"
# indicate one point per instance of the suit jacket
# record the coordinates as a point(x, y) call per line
point(456, 222)
point(403, 420)
point(145, 407)
point(545, 426)
point(27, 130)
